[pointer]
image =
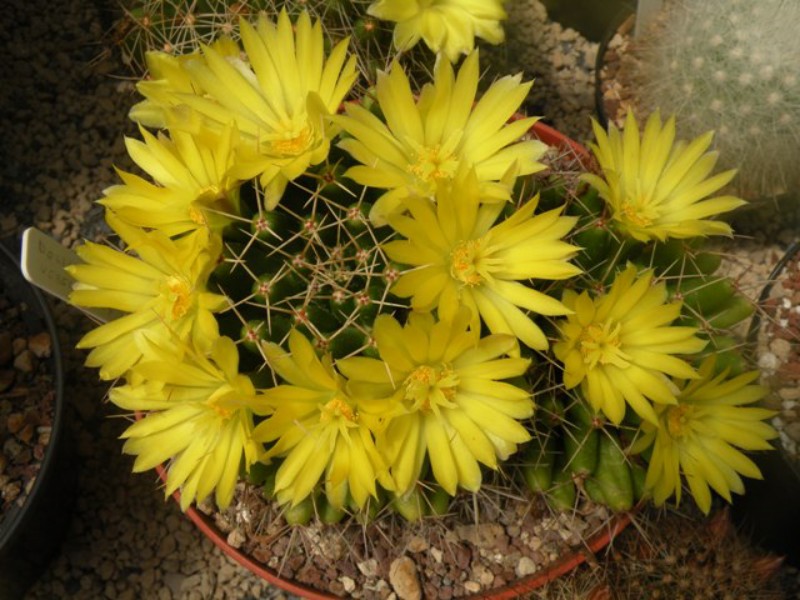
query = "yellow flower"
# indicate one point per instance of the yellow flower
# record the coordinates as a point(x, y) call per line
point(657, 189)
point(279, 100)
point(619, 346)
point(163, 291)
point(425, 142)
point(699, 436)
point(320, 429)
point(199, 418)
point(448, 26)
point(456, 411)
point(168, 79)
point(461, 258)
point(195, 185)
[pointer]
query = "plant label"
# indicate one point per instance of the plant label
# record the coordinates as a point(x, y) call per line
point(42, 263)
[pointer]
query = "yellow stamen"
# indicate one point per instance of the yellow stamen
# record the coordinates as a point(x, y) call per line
point(224, 413)
point(600, 343)
point(429, 387)
point(180, 295)
point(197, 216)
point(637, 213)
point(293, 142)
point(338, 408)
point(679, 420)
point(464, 259)
point(431, 164)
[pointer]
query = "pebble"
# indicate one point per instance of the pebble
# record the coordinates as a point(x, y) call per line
point(417, 544)
point(525, 566)
point(166, 547)
point(789, 393)
point(404, 579)
point(19, 345)
point(236, 538)
point(369, 568)
point(348, 583)
point(25, 361)
point(40, 344)
point(793, 430)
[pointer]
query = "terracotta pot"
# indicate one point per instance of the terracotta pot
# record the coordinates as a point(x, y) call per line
point(31, 533)
point(514, 590)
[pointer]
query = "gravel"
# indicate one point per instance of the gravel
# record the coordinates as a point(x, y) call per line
point(27, 403)
point(63, 120)
point(64, 100)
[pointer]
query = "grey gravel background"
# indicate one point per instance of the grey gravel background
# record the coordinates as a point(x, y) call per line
point(62, 115)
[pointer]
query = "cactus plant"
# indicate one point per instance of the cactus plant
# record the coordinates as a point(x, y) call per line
point(729, 66)
point(359, 310)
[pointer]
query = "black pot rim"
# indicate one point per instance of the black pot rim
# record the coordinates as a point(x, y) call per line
point(15, 520)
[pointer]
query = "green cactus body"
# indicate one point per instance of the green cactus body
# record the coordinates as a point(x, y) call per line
point(312, 263)
point(563, 492)
point(538, 459)
point(613, 475)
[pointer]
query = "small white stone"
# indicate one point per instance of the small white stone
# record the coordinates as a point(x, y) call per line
point(417, 544)
point(768, 361)
point(236, 538)
point(525, 566)
point(473, 587)
point(369, 568)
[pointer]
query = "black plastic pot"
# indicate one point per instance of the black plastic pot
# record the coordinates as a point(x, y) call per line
point(590, 17)
point(31, 534)
point(769, 512)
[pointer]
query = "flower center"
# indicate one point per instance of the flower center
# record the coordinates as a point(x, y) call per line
point(223, 412)
point(429, 388)
point(293, 142)
point(179, 295)
point(600, 343)
point(638, 213)
point(679, 420)
point(431, 163)
point(338, 408)
point(463, 262)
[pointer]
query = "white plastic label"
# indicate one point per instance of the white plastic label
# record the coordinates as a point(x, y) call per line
point(43, 261)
